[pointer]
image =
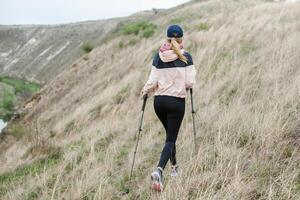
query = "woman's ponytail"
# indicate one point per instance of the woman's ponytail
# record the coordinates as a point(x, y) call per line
point(176, 48)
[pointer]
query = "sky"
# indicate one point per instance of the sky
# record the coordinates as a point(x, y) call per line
point(65, 11)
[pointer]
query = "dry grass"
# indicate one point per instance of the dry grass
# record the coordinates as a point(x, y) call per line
point(248, 120)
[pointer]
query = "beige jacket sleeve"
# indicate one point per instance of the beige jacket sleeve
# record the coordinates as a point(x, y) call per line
point(190, 78)
point(151, 83)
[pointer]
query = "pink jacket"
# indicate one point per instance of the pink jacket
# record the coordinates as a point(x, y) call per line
point(169, 75)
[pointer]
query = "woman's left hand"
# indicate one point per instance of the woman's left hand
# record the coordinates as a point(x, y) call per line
point(143, 94)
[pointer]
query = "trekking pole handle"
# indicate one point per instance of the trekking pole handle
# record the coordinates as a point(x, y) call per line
point(191, 92)
point(145, 97)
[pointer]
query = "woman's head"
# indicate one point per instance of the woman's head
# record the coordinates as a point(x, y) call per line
point(175, 31)
point(175, 34)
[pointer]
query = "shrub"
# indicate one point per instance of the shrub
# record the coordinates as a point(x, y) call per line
point(7, 101)
point(33, 194)
point(13, 89)
point(148, 32)
point(203, 27)
point(21, 86)
point(18, 131)
point(121, 44)
point(87, 47)
point(131, 29)
point(132, 42)
point(176, 20)
point(135, 28)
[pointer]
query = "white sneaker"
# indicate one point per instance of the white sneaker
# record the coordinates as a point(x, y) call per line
point(157, 180)
point(174, 170)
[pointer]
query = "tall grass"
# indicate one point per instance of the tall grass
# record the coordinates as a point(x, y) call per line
point(247, 120)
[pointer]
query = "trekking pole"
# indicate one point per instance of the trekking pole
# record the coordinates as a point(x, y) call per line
point(145, 97)
point(193, 117)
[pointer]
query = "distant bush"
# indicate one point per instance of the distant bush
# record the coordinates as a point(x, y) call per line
point(87, 47)
point(132, 42)
point(7, 105)
point(21, 86)
point(135, 28)
point(203, 27)
point(148, 32)
point(131, 29)
point(18, 131)
point(121, 44)
point(176, 20)
point(8, 100)
point(14, 89)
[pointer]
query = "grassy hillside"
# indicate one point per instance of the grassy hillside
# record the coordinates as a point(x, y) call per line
point(12, 92)
point(77, 139)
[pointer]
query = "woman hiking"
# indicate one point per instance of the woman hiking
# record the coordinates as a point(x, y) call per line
point(172, 74)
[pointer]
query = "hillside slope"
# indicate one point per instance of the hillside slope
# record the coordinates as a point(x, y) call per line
point(40, 52)
point(76, 139)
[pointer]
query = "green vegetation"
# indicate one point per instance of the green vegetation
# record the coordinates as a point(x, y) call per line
point(135, 31)
point(17, 130)
point(6, 102)
point(19, 85)
point(203, 27)
point(132, 42)
point(123, 184)
point(121, 44)
point(147, 28)
point(31, 169)
point(176, 20)
point(148, 33)
point(87, 47)
point(33, 194)
point(11, 90)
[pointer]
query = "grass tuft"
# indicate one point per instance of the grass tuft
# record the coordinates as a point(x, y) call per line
point(203, 27)
point(87, 47)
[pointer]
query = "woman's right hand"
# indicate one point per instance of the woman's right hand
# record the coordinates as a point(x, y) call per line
point(144, 94)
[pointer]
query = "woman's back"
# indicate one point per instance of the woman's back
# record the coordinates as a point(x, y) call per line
point(171, 76)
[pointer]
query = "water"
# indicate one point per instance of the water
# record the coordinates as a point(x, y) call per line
point(2, 125)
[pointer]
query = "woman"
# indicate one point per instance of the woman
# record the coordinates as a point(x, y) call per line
point(171, 75)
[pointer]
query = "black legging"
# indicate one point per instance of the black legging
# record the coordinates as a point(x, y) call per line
point(170, 111)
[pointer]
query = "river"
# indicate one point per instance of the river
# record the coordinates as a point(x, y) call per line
point(2, 125)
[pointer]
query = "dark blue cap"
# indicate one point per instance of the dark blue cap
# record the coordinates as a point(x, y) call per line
point(175, 31)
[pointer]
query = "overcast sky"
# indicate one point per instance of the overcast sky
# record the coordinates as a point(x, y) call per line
point(64, 11)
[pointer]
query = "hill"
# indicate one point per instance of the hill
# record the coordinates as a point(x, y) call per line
point(40, 52)
point(75, 139)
